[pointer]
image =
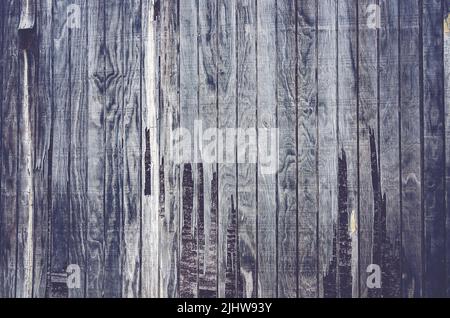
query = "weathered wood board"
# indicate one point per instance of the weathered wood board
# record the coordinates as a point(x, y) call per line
point(224, 148)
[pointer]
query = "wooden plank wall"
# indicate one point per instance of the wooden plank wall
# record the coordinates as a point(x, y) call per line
point(113, 174)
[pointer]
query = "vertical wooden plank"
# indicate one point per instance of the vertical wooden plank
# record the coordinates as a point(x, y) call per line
point(267, 159)
point(446, 28)
point(410, 138)
point(189, 82)
point(390, 147)
point(368, 122)
point(327, 144)
point(25, 110)
point(150, 160)
point(169, 214)
point(77, 28)
point(9, 139)
point(131, 240)
point(287, 160)
point(433, 150)
point(61, 129)
point(41, 148)
point(227, 169)
point(348, 148)
point(207, 94)
point(96, 160)
point(113, 147)
point(246, 146)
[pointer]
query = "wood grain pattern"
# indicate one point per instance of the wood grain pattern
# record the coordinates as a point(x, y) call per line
point(208, 116)
point(433, 149)
point(149, 140)
point(95, 259)
point(227, 173)
point(410, 139)
point(348, 166)
point(390, 146)
point(246, 141)
point(78, 147)
point(169, 214)
point(267, 157)
point(131, 129)
point(347, 112)
point(327, 146)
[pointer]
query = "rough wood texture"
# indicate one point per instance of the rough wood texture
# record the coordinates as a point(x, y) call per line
point(100, 197)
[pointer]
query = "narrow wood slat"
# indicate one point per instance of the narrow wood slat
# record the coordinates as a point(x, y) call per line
point(227, 193)
point(208, 116)
point(41, 146)
point(287, 160)
point(433, 149)
point(348, 278)
point(132, 119)
point(327, 143)
point(78, 141)
point(246, 146)
point(189, 104)
point(95, 259)
point(446, 30)
point(150, 149)
point(170, 178)
point(267, 149)
point(390, 148)
point(410, 139)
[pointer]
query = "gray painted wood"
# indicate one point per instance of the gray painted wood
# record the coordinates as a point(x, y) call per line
point(9, 141)
point(90, 173)
point(150, 137)
point(327, 145)
point(308, 211)
point(367, 126)
point(410, 139)
point(433, 149)
point(208, 116)
point(267, 158)
point(95, 257)
point(246, 167)
point(390, 146)
point(189, 107)
point(446, 31)
point(170, 121)
point(42, 145)
point(131, 129)
point(347, 112)
point(227, 173)
point(78, 146)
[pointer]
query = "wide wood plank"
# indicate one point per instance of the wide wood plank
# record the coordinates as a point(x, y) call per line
point(227, 173)
point(287, 156)
point(410, 139)
point(267, 150)
point(208, 116)
point(433, 149)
